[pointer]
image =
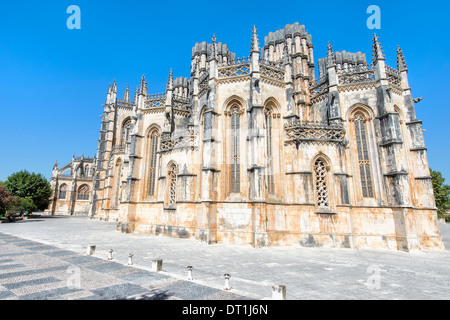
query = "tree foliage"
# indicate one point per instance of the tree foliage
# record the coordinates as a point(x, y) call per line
point(31, 186)
point(11, 205)
point(5, 199)
point(441, 192)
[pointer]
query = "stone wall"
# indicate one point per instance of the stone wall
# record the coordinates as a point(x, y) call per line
point(339, 161)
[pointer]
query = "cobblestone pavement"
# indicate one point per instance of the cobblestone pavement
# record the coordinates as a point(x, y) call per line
point(40, 258)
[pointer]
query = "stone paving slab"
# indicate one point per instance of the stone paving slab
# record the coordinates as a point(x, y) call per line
point(143, 277)
point(189, 291)
point(3, 261)
point(108, 267)
point(59, 253)
point(47, 274)
point(29, 283)
point(115, 292)
point(308, 273)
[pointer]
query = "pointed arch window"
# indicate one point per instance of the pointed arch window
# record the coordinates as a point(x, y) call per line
point(153, 147)
point(235, 154)
point(321, 175)
point(126, 132)
point(62, 191)
point(269, 151)
point(363, 155)
point(83, 192)
point(86, 171)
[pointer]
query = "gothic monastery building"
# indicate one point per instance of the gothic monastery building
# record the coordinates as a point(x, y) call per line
point(262, 151)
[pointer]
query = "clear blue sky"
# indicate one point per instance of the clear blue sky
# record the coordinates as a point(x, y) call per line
point(53, 81)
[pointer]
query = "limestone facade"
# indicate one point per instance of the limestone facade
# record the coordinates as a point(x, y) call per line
point(72, 187)
point(262, 151)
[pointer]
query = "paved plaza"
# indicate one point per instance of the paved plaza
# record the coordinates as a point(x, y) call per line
point(45, 258)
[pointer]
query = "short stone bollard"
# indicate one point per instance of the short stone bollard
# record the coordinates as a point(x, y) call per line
point(110, 254)
point(157, 265)
point(279, 292)
point(190, 268)
point(130, 259)
point(90, 250)
point(227, 281)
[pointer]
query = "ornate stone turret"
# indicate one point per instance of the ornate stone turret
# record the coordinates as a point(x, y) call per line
point(331, 66)
point(346, 62)
point(181, 87)
point(143, 93)
point(401, 66)
point(126, 95)
point(143, 87)
point(255, 41)
point(377, 50)
point(401, 63)
point(135, 99)
point(169, 122)
point(203, 52)
point(108, 95)
point(213, 59)
point(113, 92)
point(330, 55)
point(254, 70)
point(333, 105)
point(379, 61)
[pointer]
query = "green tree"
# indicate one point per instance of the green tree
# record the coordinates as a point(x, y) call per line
point(11, 205)
point(23, 205)
point(26, 185)
point(5, 199)
point(441, 192)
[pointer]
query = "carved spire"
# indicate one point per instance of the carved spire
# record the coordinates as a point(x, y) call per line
point(330, 54)
point(114, 87)
point(255, 41)
point(377, 49)
point(126, 95)
point(170, 81)
point(330, 48)
point(214, 47)
point(143, 86)
point(401, 63)
point(108, 95)
point(136, 93)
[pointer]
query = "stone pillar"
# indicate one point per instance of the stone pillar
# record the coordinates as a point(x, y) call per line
point(395, 165)
point(209, 170)
point(333, 104)
point(257, 158)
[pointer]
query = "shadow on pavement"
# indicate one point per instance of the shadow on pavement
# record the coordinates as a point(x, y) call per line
point(152, 295)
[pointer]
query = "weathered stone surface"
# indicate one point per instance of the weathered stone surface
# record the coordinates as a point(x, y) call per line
point(257, 151)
